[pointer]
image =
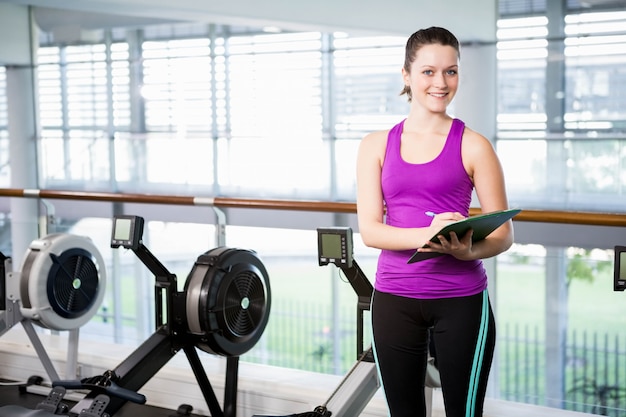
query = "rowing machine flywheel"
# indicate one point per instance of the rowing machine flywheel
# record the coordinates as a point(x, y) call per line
point(62, 281)
point(227, 300)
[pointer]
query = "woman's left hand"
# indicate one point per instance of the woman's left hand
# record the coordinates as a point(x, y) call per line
point(459, 248)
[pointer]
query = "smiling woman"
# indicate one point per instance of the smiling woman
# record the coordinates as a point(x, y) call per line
point(430, 163)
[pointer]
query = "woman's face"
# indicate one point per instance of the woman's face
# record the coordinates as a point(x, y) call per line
point(434, 77)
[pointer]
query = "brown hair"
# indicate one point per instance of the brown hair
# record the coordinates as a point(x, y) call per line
point(429, 36)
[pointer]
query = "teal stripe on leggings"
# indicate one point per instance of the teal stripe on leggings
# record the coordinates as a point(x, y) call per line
point(478, 358)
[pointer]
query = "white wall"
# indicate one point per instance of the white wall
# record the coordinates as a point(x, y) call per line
point(14, 34)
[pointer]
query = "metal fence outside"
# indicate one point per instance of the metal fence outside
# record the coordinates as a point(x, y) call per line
point(593, 370)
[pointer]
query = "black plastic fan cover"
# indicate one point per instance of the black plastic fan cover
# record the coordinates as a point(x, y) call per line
point(72, 283)
point(227, 300)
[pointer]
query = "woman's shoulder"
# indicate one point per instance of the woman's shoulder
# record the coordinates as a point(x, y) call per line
point(377, 136)
point(476, 146)
point(376, 140)
point(474, 138)
point(374, 144)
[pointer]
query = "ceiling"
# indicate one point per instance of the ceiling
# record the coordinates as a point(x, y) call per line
point(469, 20)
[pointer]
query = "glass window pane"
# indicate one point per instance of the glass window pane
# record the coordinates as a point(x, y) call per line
point(177, 85)
point(275, 117)
point(5, 169)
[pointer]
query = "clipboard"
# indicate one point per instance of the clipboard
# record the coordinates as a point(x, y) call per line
point(482, 225)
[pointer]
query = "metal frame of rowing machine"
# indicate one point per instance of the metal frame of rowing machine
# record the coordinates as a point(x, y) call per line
point(360, 384)
point(170, 337)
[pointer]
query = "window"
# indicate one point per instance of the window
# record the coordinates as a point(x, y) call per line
point(561, 104)
point(595, 93)
point(365, 95)
point(83, 96)
point(275, 137)
point(522, 50)
point(176, 86)
point(5, 178)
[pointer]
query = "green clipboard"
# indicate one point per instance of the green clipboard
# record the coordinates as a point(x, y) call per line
point(482, 225)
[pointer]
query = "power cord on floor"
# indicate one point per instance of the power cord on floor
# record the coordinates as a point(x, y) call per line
point(33, 380)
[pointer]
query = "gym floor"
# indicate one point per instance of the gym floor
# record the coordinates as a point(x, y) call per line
point(20, 395)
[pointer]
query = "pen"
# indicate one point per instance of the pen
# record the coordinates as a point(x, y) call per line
point(430, 214)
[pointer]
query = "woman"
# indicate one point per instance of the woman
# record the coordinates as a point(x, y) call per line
point(411, 181)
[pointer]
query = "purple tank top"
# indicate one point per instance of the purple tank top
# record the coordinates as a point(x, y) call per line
point(411, 190)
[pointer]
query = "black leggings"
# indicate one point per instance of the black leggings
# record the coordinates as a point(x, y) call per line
point(463, 330)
